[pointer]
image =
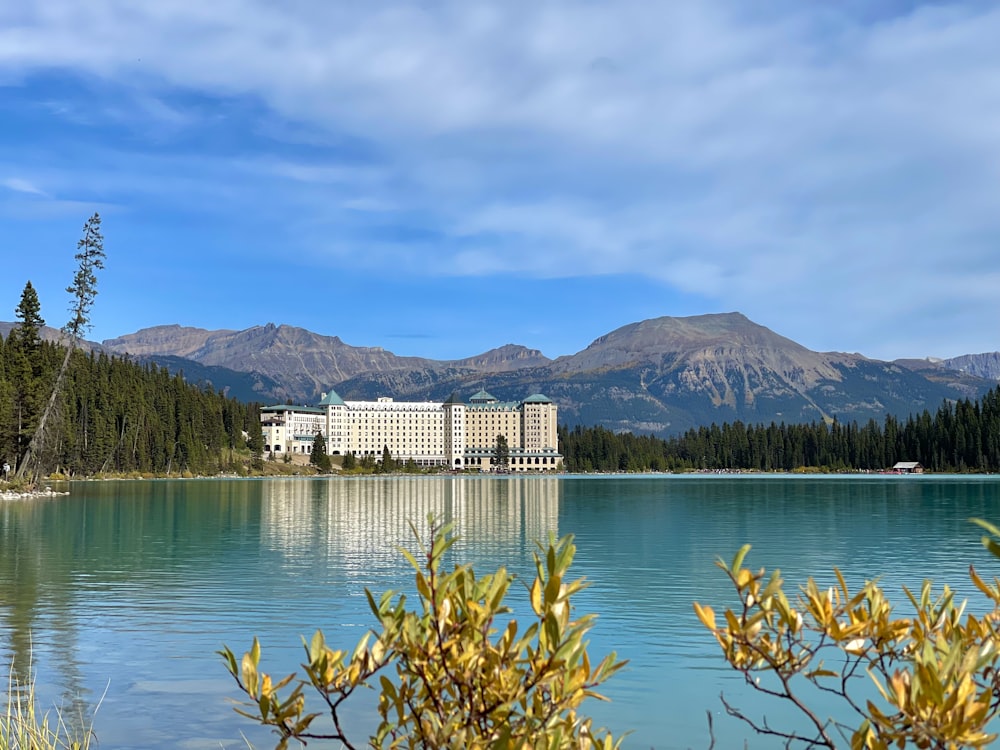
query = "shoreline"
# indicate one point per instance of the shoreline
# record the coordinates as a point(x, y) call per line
point(30, 494)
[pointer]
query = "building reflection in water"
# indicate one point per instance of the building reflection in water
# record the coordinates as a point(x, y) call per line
point(362, 522)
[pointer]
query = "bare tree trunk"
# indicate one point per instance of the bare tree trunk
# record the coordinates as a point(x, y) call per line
point(118, 445)
point(34, 449)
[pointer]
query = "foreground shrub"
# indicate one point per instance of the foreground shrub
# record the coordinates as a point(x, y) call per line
point(459, 680)
point(935, 673)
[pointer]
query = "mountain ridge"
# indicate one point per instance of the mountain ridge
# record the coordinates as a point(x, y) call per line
point(660, 375)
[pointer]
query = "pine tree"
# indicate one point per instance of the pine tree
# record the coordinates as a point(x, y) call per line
point(25, 368)
point(28, 312)
point(388, 463)
point(255, 439)
point(90, 256)
point(501, 454)
point(319, 457)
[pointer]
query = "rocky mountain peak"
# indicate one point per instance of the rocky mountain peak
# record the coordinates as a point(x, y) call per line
point(725, 340)
point(504, 359)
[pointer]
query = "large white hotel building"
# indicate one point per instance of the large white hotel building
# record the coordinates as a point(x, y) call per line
point(454, 434)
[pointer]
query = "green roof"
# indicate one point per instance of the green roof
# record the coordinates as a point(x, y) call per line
point(482, 396)
point(454, 399)
point(331, 399)
point(538, 398)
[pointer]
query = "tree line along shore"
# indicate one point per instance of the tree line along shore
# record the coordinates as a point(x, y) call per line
point(961, 436)
point(116, 417)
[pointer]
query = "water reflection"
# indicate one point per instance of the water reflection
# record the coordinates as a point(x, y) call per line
point(33, 604)
point(75, 570)
point(140, 583)
point(366, 520)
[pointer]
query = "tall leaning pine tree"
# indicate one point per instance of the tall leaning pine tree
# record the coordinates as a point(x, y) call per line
point(90, 259)
point(90, 256)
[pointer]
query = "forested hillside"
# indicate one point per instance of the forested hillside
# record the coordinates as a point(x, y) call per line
point(962, 436)
point(115, 416)
point(66, 411)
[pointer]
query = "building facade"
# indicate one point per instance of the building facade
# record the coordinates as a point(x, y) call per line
point(454, 434)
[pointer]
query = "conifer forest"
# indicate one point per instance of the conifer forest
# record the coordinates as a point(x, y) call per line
point(115, 416)
point(960, 436)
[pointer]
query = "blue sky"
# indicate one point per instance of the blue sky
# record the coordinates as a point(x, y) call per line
point(440, 178)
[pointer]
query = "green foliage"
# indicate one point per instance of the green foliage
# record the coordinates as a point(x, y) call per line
point(388, 463)
point(935, 672)
point(90, 256)
point(501, 454)
point(963, 436)
point(459, 677)
point(350, 462)
point(28, 313)
point(319, 457)
point(255, 438)
point(115, 416)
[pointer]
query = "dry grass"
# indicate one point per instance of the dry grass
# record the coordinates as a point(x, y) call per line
point(23, 727)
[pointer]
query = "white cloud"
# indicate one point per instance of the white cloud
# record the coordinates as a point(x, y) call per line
point(747, 156)
point(19, 185)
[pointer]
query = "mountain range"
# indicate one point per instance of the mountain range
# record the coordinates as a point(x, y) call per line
point(659, 376)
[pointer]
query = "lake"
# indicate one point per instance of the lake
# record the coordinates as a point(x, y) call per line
point(122, 592)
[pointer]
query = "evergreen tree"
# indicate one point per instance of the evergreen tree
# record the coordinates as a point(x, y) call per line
point(24, 368)
point(350, 461)
point(255, 440)
point(501, 454)
point(28, 313)
point(319, 457)
point(90, 257)
point(388, 464)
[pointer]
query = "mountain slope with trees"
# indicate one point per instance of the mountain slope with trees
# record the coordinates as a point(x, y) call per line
point(963, 436)
point(660, 376)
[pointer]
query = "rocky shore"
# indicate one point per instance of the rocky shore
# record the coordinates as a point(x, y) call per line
point(29, 494)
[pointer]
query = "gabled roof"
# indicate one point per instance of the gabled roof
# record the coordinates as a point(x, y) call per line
point(331, 399)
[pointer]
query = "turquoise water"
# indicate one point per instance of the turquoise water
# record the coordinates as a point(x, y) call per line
point(122, 592)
